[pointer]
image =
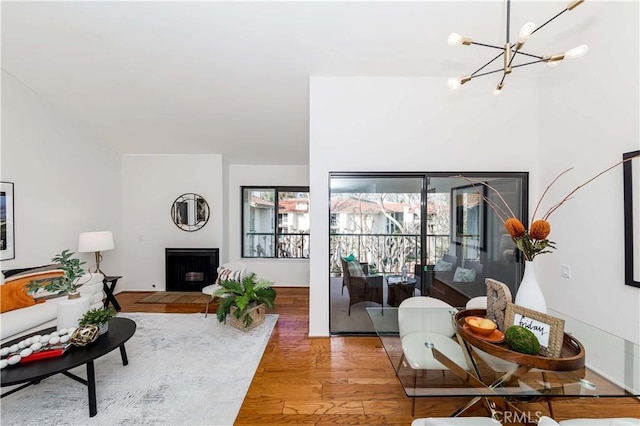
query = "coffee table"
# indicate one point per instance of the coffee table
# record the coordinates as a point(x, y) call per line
point(120, 330)
point(485, 385)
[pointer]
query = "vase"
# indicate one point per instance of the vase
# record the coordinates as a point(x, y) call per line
point(103, 327)
point(71, 309)
point(529, 293)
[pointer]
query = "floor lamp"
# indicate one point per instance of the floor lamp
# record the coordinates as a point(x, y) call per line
point(96, 242)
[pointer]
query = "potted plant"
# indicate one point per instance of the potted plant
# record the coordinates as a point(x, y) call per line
point(245, 301)
point(67, 283)
point(99, 317)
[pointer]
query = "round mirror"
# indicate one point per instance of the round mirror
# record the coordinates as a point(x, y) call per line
point(190, 212)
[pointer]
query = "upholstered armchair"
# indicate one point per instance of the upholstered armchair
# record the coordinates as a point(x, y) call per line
point(361, 286)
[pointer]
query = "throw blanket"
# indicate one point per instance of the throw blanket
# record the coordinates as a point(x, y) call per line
point(13, 293)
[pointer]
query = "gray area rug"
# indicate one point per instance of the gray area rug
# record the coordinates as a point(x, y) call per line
point(183, 369)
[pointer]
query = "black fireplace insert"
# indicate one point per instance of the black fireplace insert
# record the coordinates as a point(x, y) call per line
point(190, 269)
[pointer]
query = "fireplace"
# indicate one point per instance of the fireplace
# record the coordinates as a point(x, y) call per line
point(190, 269)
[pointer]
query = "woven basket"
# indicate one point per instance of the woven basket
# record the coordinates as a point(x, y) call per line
point(257, 313)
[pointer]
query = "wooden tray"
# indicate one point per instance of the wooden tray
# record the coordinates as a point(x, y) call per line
point(571, 357)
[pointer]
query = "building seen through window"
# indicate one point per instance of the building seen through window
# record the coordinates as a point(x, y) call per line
point(275, 222)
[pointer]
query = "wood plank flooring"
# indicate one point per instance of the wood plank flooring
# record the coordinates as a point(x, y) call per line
point(345, 380)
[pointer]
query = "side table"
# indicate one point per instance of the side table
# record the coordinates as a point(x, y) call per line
point(399, 291)
point(109, 285)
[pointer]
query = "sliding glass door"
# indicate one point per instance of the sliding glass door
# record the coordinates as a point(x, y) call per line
point(434, 233)
point(376, 221)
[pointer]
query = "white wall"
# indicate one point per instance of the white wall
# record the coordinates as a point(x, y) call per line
point(589, 116)
point(585, 116)
point(407, 124)
point(65, 181)
point(151, 183)
point(283, 272)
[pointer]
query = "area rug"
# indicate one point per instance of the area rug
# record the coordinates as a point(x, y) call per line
point(176, 297)
point(183, 369)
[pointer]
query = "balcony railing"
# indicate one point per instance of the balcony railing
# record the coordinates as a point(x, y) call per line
point(388, 252)
point(261, 244)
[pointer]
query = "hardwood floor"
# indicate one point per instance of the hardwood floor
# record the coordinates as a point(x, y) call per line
point(345, 380)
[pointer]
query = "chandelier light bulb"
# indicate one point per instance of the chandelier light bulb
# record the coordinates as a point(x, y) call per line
point(453, 83)
point(577, 52)
point(498, 90)
point(526, 31)
point(454, 39)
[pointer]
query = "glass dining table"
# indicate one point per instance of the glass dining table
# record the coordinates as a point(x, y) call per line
point(498, 384)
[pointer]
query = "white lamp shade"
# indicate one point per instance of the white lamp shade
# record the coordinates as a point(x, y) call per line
point(95, 241)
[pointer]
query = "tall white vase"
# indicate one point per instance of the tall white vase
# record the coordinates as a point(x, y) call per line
point(71, 310)
point(529, 293)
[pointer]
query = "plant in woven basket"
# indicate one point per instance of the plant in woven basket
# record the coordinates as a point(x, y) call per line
point(243, 296)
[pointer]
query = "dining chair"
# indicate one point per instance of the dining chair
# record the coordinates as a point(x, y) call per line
point(425, 323)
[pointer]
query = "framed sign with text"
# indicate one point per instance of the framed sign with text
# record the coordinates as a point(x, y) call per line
point(548, 329)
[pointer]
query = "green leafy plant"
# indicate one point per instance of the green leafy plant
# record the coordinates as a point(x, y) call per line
point(243, 295)
point(65, 284)
point(97, 316)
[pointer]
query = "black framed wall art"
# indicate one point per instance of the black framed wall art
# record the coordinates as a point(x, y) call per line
point(7, 229)
point(631, 185)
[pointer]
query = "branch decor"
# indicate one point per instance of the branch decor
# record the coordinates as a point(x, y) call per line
point(533, 241)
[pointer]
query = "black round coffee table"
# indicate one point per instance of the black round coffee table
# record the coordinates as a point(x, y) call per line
point(120, 330)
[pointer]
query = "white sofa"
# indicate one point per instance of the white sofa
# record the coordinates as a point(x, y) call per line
point(20, 322)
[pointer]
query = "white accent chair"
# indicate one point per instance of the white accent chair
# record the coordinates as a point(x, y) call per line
point(421, 329)
point(479, 302)
point(211, 289)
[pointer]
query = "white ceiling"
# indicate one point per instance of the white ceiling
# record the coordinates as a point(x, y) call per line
point(232, 78)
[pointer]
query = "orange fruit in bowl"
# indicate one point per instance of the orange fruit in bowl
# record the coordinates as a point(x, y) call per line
point(479, 325)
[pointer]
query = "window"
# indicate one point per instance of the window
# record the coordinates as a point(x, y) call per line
point(394, 222)
point(275, 222)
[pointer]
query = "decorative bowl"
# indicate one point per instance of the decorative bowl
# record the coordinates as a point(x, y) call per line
point(480, 325)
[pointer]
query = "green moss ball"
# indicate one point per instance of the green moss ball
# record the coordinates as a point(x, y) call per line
point(522, 340)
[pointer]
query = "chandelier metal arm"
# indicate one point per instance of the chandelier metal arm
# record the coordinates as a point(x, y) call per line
point(487, 45)
point(488, 72)
point(534, 31)
point(475, 73)
point(520, 52)
point(529, 63)
point(501, 69)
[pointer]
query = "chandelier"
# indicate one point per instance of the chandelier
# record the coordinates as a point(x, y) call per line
point(510, 50)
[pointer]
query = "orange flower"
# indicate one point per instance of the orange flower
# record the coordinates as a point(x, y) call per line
point(514, 227)
point(540, 229)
